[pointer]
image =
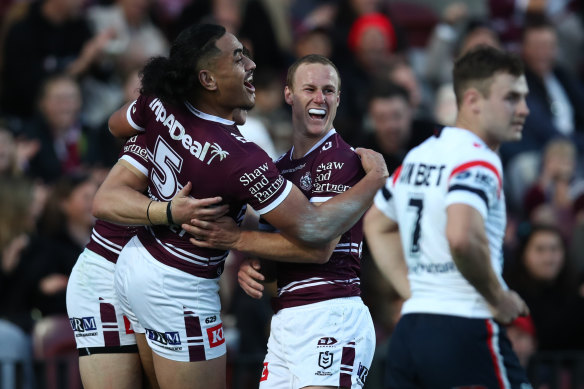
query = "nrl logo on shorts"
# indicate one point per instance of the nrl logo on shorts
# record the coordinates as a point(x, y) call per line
point(306, 181)
point(325, 359)
point(326, 341)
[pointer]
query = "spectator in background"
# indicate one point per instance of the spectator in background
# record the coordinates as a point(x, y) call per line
point(58, 129)
point(452, 37)
point(15, 153)
point(66, 222)
point(51, 37)
point(19, 248)
point(372, 41)
point(136, 39)
point(555, 97)
point(391, 117)
point(544, 277)
point(402, 73)
point(551, 198)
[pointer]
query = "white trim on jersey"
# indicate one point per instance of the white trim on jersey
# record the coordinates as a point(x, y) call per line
point(314, 281)
point(274, 204)
point(131, 121)
point(105, 243)
point(347, 248)
point(134, 162)
point(207, 116)
point(317, 145)
point(320, 199)
point(187, 256)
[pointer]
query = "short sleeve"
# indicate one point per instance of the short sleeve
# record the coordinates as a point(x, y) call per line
point(135, 153)
point(334, 173)
point(477, 183)
point(258, 182)
point(136, 114)
point(384, 200)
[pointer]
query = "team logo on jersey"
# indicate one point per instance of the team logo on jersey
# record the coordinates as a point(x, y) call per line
point(265, 372)
point(306, 181)
point(83, 324)
point(325, 359)
point(362, 373)
point(216, 151)
point(215, 334)
point(327, 146)
point(171, 338)
point(326, 341)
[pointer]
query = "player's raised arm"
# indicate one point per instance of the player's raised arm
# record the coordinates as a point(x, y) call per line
point(119, 125)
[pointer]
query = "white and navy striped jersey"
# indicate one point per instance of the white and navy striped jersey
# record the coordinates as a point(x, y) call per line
point(455, 167)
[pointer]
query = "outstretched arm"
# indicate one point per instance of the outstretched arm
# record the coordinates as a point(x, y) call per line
point(305, 224)
point(383, 239)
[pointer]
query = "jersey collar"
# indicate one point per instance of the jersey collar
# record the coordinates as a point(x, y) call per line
point(331, 132)
point(206, 116)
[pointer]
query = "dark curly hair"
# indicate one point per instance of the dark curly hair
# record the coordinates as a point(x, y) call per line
point(175, 79)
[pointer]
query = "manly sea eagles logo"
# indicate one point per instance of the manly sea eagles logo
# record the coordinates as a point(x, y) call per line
point(306, 181)
point(325, 359)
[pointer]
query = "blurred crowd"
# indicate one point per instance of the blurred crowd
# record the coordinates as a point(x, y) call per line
point(66, 65)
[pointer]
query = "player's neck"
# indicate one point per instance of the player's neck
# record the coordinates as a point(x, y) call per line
point(303, 143)
point(470, 125)
point(212, 109)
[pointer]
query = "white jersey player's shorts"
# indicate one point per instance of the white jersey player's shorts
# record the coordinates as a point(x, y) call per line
point(93, 307)
point(329, 343)
point(178, 312)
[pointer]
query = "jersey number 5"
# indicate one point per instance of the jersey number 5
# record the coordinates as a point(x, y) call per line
point(167, 165)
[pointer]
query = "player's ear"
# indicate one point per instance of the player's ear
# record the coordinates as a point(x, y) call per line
point(207, 80)
point(288, 95)
point(471, 98)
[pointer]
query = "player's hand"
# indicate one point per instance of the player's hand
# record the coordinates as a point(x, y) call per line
point(222, 234)
point(372, 162)
point(184, 207)
point(509, 307)
point(249, 278)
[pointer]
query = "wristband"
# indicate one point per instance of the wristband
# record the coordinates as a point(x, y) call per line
point(169, 213)
point(148, 212)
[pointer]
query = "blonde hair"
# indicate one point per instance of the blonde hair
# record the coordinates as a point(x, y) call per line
point(16, 197)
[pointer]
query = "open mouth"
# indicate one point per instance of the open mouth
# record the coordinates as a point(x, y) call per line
point(248, 84)
point(316, 113)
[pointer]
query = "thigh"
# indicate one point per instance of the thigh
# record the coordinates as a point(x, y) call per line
point(122, 371)
point(147, 360)
point(210, 374)
point(93, 308)
point(178, 312)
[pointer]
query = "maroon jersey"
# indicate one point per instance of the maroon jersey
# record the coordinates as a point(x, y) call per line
point(188, 145)
point(108, 239)
point(329, 168)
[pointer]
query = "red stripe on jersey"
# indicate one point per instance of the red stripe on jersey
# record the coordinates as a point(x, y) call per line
point(396, 174)
point(485, 164)
point(491, 347)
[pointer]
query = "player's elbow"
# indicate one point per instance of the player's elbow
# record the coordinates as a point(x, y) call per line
point(99, 207)
point(459, 242)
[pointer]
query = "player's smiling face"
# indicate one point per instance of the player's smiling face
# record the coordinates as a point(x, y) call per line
point(314, 97)
point(234, 74)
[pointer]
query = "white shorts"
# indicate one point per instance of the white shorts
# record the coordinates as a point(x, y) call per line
point(178, 312)
point(329, 343)
point(93, 307)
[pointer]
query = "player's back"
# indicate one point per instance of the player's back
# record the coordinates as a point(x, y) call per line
point(454, 167)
